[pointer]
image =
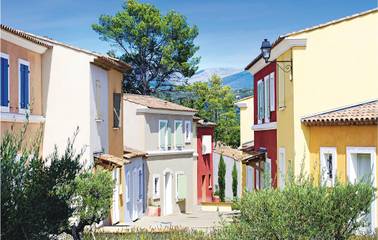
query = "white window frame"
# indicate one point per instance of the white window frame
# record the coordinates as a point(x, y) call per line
point(157, 194)
point(174, 134)
point(176, 175)
point(266, 99)
point(189, 138)
point(24, 62)
point(3, 108)
point(166, 135)
point(323, 165)
point(272, 94)
point(282, 164)
point(260, 101)
point(351, 174)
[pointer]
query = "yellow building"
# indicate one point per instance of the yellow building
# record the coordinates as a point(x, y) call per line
point(327, 66)
point(343, 145)
point(246, 119)
point(321, 68)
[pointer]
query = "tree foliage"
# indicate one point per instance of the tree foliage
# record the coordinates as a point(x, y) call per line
point(160, 48)
point(234, 181)
point(37, 194)
point(222, 178)
point(215, 103)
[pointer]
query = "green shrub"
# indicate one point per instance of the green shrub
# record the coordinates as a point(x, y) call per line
point(302, 211)
point(222, 178)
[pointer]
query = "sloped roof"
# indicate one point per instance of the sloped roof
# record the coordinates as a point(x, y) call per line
point(129, 153)
point(108, 159)
point(231, 152)
point(358, 114)
point(281, 37)
point(156, 103)
point(48, 42)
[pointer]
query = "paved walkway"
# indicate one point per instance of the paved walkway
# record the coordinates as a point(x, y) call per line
point(199, 220)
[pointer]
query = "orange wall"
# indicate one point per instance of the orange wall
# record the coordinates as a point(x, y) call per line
point(115, 134)
point(340, 137)
point(16, 52)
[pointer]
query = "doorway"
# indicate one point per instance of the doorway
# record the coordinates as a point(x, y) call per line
point(203, 188)
point(168, 205)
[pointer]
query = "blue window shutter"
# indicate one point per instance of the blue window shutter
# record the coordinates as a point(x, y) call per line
point(26, 86)
point(4, 82)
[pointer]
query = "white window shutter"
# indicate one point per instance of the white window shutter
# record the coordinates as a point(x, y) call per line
point(272, 92)
point(266, 98)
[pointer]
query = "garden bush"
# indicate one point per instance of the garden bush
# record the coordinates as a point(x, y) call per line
point(302, 211)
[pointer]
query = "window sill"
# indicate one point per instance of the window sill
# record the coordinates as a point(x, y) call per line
point(116, 128)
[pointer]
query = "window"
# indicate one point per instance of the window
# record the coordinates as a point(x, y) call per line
point(179, 137)
point(156, 186)
point(116, 110)
point(140, 181)
point(24, 85)
point(266, 99)
point(181, 185)
point(282, 168)
point(260, 100)
point(272, 92)
point(361, 166)
point(328, 166)
point(163, 134)
point(188, 131)
point(206, 144)
point(98, 99)
point(4, 82)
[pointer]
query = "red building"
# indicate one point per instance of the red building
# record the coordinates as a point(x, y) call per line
point(205, 146)
point(265, 122)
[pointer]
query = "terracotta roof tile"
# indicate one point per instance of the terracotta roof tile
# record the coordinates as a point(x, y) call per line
point(358, 114)
point(156, 103)
point(25, 35)
point(129, 153)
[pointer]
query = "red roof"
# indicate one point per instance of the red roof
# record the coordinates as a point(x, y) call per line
point(358, 114)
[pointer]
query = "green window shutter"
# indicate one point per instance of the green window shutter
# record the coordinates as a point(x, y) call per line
point(181, 186)
point(162, 134)
point(170, 136)
point(179, 136)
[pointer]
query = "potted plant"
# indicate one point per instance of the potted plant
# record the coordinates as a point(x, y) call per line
point(216, 197)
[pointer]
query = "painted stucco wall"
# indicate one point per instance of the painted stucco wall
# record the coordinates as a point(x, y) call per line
point(152, 128)
point(66, 80)
point(246, 120)
point(115, 134)
point(336, 68)
point(99, 111)
point(15, 53)
point(204, 167)
point(158, 165)
point(229, 165)
point(340, 137)
point(134, 126)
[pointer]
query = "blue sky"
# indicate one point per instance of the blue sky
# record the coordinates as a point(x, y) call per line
point(230, 31)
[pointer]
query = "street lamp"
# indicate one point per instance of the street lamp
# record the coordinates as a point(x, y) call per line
point(266, 49)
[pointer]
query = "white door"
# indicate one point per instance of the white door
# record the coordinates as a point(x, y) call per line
point(134, 215)
point(168, 205)
point(139, 206)
point(128, 195)
point(361, 167)
point(115, 207)
point(250, 178)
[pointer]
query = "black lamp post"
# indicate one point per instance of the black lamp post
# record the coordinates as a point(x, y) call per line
point(266, 49)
